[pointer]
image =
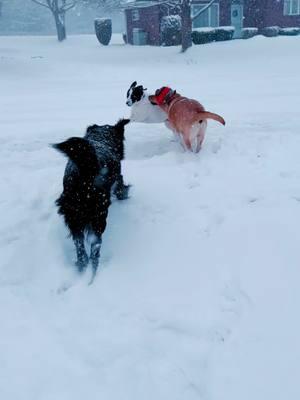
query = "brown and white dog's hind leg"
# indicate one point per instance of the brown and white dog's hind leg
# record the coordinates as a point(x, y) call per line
point(197, 135)
point(186, 142)
point(177, 136)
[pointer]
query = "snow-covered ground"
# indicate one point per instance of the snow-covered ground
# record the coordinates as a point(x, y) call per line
point(198, 292)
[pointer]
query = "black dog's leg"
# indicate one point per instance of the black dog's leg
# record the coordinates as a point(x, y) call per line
point(95, 255)
point(98, 226)
point(121, 190)
point(82, 257)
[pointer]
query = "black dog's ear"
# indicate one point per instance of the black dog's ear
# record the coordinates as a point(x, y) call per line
point(133, 84)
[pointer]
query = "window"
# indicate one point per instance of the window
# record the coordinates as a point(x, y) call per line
point(135, 15)
point(291, 7)
point(210, 17)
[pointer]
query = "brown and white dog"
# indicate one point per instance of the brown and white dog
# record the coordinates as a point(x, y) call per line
point(186, 117)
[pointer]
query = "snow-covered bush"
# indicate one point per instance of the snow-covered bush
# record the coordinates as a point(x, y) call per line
point(103, 30)
point(207, 35)
point(203, 35)
point(270, 31)
point(224, 33)
point(170, 29)
point(289, 31)
point(248, 33)
point(171, 21)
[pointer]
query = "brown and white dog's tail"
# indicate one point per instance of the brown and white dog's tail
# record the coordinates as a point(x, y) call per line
point(208, 115)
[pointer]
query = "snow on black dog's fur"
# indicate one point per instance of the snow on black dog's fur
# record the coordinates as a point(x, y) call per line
point(92, 173)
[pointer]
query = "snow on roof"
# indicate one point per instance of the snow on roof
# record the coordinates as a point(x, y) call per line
point(142, 4)
point(151, 3)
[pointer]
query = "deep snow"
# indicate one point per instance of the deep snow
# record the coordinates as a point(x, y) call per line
point(198, 293)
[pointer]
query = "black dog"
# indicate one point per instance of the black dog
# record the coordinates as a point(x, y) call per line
point(92, 173)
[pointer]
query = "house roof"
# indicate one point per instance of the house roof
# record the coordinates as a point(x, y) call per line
point(151, 3)
point(142, 4)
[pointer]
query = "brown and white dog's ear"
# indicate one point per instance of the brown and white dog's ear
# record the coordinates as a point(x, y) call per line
point(152, 99)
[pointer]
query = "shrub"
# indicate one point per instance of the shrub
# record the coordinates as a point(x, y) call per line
point(170, 29)
point(203, 35)
point(103, 30)
point(224, 33)
point(270, 31)
point(289, 31)
point(248, 33)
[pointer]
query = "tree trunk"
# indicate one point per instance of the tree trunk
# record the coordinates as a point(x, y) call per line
point(60, 25)
point(186, 21)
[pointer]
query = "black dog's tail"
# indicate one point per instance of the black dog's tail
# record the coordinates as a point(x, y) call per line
point(82, 153)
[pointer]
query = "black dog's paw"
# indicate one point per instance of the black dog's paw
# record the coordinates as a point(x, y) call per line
point(82, 263)
point(122, 193)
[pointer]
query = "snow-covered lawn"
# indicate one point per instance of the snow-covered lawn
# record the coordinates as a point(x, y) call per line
point(198, 292)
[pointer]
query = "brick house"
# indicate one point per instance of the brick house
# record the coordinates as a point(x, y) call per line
point(143, 17)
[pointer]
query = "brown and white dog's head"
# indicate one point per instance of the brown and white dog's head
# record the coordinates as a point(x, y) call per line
point(162, 96)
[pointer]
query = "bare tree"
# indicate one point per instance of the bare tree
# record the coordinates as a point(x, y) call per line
point(186, 25)
point(187, 21)
point(184, 7)
point(58, 9)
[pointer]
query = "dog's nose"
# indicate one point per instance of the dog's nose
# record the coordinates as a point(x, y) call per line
point(128, 103)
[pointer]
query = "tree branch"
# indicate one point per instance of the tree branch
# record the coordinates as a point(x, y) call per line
point(203, 9)
point(40, 3)
point(68, 6)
